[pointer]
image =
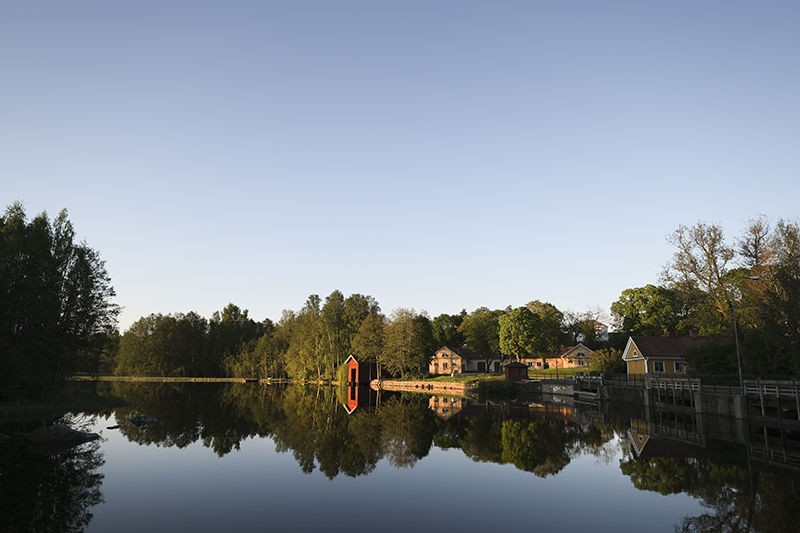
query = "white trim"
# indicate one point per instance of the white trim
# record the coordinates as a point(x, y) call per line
point(631, 347)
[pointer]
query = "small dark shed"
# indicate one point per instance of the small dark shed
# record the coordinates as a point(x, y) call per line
point(516, 371)
point(361, 373)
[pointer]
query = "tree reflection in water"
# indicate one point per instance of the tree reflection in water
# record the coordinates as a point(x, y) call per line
point(741, 495)
point(49, 493)
point(320, 432)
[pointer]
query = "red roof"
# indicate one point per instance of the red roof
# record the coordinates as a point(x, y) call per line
point(673, 347)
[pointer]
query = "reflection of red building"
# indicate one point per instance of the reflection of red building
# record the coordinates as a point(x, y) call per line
point(360, 396)
point(361, 373)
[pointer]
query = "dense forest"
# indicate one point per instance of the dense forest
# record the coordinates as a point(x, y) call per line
point(314, 342)
point(57, 317)
point(56, 314)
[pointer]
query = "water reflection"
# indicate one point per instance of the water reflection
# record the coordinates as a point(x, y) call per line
point(348, 432)
point(47, 491)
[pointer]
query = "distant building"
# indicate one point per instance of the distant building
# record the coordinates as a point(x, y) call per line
point(448, 361)
point(600, 331)
point(567, 357)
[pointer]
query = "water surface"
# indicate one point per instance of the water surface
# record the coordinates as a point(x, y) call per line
point(253, 457)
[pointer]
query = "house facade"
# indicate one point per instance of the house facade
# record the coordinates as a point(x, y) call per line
point(659, 355)
point(567, 357)
point(449, 361)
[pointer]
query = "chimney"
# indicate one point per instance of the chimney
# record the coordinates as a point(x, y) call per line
point(671, 333)
point(693, 333)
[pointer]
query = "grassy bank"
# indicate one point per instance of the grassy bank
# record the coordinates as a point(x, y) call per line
point(90, 403)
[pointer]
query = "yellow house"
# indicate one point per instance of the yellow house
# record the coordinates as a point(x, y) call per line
point(567, 357)
point(449, 361)
point(659, 355)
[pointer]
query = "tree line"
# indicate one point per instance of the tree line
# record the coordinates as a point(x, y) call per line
point(57, 317)
point(315, 341)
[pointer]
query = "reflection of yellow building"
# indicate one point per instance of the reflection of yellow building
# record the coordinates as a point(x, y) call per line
point(445, 406)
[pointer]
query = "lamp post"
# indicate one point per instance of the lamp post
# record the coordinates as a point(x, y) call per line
point(736, 339)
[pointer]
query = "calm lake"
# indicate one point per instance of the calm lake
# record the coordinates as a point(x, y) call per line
point(249, 457)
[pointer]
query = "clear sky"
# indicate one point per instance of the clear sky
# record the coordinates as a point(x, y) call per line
point(438, 155)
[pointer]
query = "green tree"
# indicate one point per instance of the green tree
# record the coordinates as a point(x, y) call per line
point(608, 360)
point(646, 311)
point(335, 344)
point(521, 332)
point(357, 307)
point(777, 295)
point(368, 344)
point(55, 303)
point(481, 330)
point(228, 330)
point(446, 330)
point(262, 357)
point(550, 336)
point(407, 342)
point(303, 358)
point(702, 259)
point(163, 345)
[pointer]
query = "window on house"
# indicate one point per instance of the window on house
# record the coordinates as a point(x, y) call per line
point(580, 363)
point(530, 364)
point(680, 367)
point(444, 366)
point(658, 366)
point(539, 363)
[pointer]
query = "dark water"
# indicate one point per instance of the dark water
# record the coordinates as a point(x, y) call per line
point(241, 457)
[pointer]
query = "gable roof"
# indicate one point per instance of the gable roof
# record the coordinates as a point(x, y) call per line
point(564, 351)
point(569, 349)
point(668, 347)
point(463, 353)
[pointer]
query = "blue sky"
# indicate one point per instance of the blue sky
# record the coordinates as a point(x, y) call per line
point(435, 155)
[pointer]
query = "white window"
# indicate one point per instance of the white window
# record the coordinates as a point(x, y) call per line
point(680, 367)
point(658, 366)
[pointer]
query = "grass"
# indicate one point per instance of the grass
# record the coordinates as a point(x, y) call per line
point(91, 403)
point(552, 372)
